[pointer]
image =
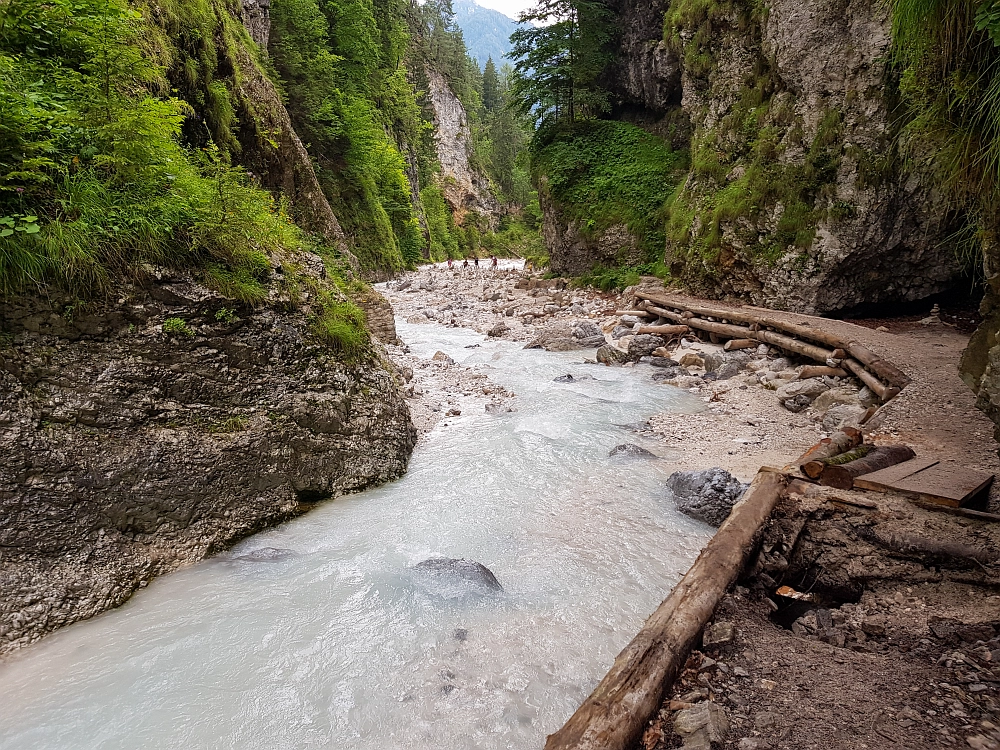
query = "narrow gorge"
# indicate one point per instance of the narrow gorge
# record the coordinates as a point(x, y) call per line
point(395, 373)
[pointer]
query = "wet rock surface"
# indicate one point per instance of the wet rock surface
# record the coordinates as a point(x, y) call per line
point(455, 578)
point(130, 450)
point(707, 495)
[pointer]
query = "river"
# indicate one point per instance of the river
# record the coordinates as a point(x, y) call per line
point(336, 645)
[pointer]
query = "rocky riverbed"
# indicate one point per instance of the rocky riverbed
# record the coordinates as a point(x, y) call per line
point(756, 409)
point(884, 650)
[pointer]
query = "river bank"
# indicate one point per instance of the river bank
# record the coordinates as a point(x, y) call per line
point(901, 653)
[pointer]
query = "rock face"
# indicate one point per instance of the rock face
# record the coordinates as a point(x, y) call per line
point(980, 365)
point(465, 189)
point(707, 495)
point(798, 197)
point(132, 447)
point(572, 251)
point(452, 578)
point(269, 145)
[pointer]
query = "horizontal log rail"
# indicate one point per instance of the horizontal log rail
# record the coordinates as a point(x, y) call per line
point(615, 715)
point(753, 324)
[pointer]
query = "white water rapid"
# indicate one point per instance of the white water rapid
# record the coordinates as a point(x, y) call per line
point(335, 646)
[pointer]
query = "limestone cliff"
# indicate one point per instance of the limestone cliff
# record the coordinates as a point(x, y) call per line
point(148, 430)
point(131, 447)
point(465, 188)
point(797, 196)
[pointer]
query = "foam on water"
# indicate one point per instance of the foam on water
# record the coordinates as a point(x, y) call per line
point(334, 646)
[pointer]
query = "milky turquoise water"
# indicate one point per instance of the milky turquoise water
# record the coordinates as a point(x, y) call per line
point(335, 646)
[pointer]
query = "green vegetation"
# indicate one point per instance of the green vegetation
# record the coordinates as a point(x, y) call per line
point(620, 277)
point(947, 53)
point(236, 423)
point(94, 180)
point(341, 325)
point(742, 177)
point(604, 173)
point(177, 327)
point(340, 62)
point(562, 48)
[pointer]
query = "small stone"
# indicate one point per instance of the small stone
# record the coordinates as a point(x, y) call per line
point(702, 725)
point(882, 329)
point(740, 672)
point(754, 743)
point(718, 634)
point(690, 359)
point(631, 449)
point(768, 684)
point(442, 357)
point(498, 330)
point(764, 720)
point(977, 687)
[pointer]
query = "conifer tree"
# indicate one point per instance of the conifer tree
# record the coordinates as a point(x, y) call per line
point(492, 96)
point(561, 50)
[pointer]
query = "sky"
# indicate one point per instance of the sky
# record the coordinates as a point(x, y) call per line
point(510, 8)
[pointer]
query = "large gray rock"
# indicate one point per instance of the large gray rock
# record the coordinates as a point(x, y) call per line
point(128, 452)
point(707, 495)
point(611, 355)
point(798, 394)
point(452, 578)
point(563, 337)
point(643, 345)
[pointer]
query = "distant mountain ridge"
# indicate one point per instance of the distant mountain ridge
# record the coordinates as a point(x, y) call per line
point(486, 31)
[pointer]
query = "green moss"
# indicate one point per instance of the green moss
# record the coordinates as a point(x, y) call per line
point(341, 325)
point(745, 187)
point(603, 173)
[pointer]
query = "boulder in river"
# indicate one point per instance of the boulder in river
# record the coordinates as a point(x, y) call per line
point(452, 578)
point(611, 355)
point(631, 449)
point(707, 495)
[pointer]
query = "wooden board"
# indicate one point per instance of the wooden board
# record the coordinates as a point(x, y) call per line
point(944, 482)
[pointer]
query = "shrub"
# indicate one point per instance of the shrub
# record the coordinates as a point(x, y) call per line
point(341, 325)
point(177, 327)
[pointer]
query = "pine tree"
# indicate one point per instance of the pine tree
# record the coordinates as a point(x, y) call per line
point(492, 96)
point(562, 49)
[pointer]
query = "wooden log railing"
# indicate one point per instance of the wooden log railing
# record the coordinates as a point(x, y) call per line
point(757, 324)
point(615, 715)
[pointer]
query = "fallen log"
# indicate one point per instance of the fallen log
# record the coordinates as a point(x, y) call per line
point(813, 469)
point(820, 371)
point(756, 319)
point(978, 515)
point(723, 329)
point(884, 392)
point(885, 370)
point(842, 476)
point(794, 345)
point(928, 550)
point(663, 330)
point(615, 715)
point(734, 344)
point(839, 442)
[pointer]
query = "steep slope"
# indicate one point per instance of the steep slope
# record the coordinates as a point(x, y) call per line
point(180, 364)
point(465, 188)
point(797, 195)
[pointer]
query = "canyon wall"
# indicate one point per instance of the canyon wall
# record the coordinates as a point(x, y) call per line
point(134, 443)
point(797, 196)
